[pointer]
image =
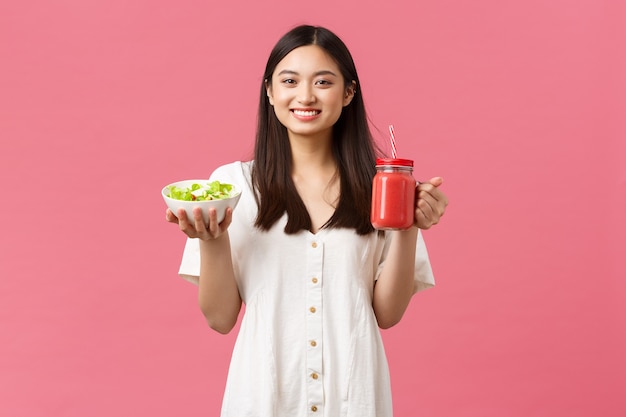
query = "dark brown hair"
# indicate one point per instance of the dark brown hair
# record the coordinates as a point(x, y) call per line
point(352, 147)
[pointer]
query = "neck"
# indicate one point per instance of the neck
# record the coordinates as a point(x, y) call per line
point(312, 152)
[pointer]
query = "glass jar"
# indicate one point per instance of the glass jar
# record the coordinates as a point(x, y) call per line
point(393, 194)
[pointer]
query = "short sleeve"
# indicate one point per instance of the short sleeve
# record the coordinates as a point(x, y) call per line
point(423, 277)
point(190, 264)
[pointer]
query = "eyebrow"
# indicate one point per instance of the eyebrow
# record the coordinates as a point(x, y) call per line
point(318, 73)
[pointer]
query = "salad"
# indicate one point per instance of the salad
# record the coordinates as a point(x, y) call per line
point(213, 190)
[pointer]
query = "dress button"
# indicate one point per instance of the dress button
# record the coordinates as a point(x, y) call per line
point(313, 408)
point(312, 310)
point(314, 245)
point(313, 343)
point(314, 280)
point(314, 375)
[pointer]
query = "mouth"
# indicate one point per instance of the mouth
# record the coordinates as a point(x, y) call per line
point(305, 112)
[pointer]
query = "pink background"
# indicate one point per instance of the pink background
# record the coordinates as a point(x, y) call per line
point(519, 105)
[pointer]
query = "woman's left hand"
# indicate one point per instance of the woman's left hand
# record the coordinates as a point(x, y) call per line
point(430, 203)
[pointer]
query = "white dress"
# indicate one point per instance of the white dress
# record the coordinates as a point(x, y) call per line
point(309, 343)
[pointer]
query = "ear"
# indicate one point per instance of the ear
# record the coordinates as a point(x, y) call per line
point(349, 93)
point(268, 91)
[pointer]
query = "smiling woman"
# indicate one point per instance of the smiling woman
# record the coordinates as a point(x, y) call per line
point(519, 104)
point(316, 278)
point(308, 93)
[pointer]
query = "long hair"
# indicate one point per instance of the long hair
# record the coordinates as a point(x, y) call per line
point(352, 147)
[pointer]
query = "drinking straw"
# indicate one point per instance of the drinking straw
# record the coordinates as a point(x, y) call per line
point(392, 137)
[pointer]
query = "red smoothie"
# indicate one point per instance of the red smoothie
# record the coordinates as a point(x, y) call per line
point(393, 194)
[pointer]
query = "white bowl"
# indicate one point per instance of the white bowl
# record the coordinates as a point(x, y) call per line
point(219, 205)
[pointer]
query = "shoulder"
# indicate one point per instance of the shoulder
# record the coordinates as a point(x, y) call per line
point(232, 171)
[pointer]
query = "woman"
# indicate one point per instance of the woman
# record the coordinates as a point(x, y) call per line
point(300, 251)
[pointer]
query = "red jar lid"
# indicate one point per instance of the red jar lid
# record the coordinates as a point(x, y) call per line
point(394, 161)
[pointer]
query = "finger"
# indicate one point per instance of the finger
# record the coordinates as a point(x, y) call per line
point(170, 217)
point(213, 227)
point(431, 187)
point(429, 208)
point(438, 204)
point(428, 189)
point(436, 181)
point(184, 224)
point(427, 186)
point(183, 221)
point(198, 220)
point(425, 211)
point(228, 218)
point(436, 199)
point(421, 221)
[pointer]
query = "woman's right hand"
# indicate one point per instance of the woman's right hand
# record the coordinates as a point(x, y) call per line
point(196, 228)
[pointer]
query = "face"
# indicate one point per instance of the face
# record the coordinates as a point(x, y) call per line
point(308, 92)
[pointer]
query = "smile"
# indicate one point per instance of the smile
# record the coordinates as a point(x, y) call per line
point(306, 113)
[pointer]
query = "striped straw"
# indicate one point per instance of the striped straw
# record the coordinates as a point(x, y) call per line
point(392, 137)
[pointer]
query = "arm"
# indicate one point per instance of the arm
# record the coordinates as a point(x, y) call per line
point(395, 287)
point(218, 295)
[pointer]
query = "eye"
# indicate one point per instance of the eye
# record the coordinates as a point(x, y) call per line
point(323, 83)
point(289, 81)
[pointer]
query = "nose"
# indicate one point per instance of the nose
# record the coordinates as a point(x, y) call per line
point(305, 94)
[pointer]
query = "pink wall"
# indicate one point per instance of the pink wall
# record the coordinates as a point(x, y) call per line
point(519, 105)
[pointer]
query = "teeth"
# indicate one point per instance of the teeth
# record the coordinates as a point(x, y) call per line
point(307, 113)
